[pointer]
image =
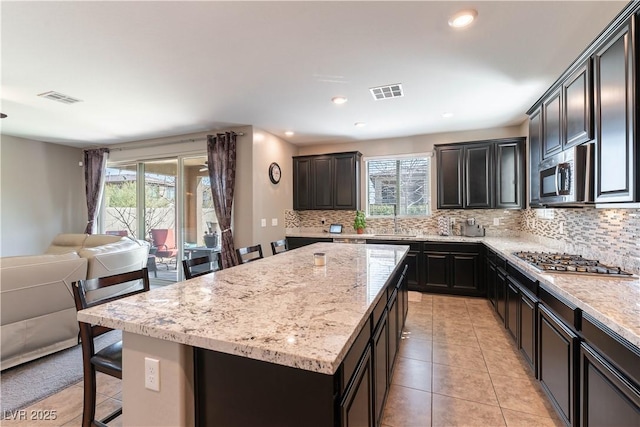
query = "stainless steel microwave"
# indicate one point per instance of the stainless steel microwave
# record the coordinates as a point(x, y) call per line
point(567, 178)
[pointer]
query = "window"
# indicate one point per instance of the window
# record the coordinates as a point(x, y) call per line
point(398, 186)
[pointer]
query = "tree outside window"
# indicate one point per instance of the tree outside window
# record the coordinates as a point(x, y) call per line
point(398, 186)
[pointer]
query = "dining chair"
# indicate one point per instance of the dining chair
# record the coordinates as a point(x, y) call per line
point(200, 266)
point(279, 246)
point(89, 293)
point(249, 254)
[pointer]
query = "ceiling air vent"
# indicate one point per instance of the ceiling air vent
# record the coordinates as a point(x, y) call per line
point(60, 97)
point(386, 92)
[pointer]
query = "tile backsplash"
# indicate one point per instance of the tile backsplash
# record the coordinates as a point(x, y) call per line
point(611, 236)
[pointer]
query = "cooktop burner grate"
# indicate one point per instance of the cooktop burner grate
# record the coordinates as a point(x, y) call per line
point(568, 263)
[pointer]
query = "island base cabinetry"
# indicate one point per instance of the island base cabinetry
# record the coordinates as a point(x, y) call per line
point(236, 391)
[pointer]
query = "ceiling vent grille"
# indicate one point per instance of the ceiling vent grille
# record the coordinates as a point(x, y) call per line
point(386, 92)
point(60, 97)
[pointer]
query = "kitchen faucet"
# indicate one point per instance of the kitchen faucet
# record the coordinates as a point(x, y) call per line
point(395, 220)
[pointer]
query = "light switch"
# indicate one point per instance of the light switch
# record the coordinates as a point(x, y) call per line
point(496, 221)
point(263, 222)
point(274, 222)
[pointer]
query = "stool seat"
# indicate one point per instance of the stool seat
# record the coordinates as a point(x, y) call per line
point(109, 359)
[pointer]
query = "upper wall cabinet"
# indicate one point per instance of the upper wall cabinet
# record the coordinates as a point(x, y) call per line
point(567, 113)
point(481, 174)
point(596, 99)
point(616, 112)
point(327, 182)
point(535, 155)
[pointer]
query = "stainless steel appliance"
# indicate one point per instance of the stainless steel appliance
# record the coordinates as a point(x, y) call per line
point(567, 177)
point(567, 263)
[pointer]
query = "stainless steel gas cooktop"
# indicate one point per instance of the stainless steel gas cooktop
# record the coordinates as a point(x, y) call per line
point(567, 263)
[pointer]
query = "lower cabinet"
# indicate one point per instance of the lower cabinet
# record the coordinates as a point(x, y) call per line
point(607, 397)
point(501, 292)
point(557, 354)
point(395, 328)
point(454, 269)
point(298, 242)
point(512, 314)
point(356, 407)
point(527, 329)
point(382, 337)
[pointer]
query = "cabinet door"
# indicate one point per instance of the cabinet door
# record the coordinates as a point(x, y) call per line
point(607, 398)
point(478, 176)
point(614, 89)
point(450, 179)
point(557, 360)
point(395, 328)
point(346, 192)
point(490, 280)
point(380, 365)
point(436, 269)
point(512, 312)
point(509, 175)
point(535, 155)
point(578, 107)
point(501, 292)
point(528, 308)
point(301, 184)
point(356, 407)
point(551, 125)
point(465, 271)
point(322, 194)
point(413, 273)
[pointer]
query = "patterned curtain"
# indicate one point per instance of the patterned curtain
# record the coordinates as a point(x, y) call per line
point(95, 162)
point(221, 152)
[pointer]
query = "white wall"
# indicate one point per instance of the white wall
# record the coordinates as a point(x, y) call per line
point(270, 200)
point(41, 194)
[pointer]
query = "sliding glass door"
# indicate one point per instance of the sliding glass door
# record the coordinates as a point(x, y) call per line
point(167, 203)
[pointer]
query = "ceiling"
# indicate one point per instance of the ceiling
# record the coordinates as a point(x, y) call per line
point(153, 69)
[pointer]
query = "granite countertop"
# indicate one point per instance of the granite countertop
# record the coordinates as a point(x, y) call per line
point(280, 309)
point(613, 301)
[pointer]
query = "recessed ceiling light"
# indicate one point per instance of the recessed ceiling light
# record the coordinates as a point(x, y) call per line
point(447, 115)
point(289, 133)
point(339, 99)
point(359, 124)
point(463, 18)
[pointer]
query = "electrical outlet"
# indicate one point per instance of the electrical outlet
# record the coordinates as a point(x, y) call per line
point(152, 374)
point(274, 222)
point(496, 221)
point(263, 222)
point(561, 227)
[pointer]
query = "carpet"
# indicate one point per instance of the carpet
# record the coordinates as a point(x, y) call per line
point(33, 381)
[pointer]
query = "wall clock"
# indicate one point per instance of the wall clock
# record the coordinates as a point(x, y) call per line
point(275, 173)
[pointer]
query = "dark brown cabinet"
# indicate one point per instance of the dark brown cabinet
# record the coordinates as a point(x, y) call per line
point(478, 176)
point(414, 262)
point(453, 269)
point(557, 345)
point(501, 292)
point(615, 96)
point(381, 340)
point(302, 183)
point(357, 405)
point(509, 186)
point(527, 328)
point(481, 174)
point(551, 125)
point(327, 182)
point(512, 312)
point(577, 104)
point(535, 156)
point(450, 162)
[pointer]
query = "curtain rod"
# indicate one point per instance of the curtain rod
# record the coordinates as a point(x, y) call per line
point(160, 144)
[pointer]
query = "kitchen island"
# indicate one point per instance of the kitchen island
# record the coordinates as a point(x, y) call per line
point(276, 330)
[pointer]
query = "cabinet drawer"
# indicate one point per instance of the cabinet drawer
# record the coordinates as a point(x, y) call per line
point(523, 279)
point(352, 358)
point(561, 308)
point(621, 353)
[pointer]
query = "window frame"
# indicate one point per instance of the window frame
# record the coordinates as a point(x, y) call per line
point(396, 158)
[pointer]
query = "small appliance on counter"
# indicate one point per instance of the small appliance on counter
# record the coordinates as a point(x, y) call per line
point(475, 230)
point(335, 229)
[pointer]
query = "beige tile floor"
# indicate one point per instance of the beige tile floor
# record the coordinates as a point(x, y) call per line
point(456, 367)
